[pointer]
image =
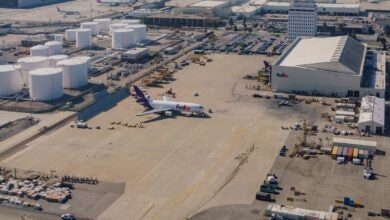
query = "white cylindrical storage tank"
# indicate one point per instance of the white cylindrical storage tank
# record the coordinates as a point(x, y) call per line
point(140, 31)
point(27, 64)
point(123, 38)
point(58, 37)
point(10, 80)
point(70, 34)
point(75, 72)
point(53, 60)
point(31, 63)
point(117, 26)
point(83, 38)
point(39, 50)
point(55, 47)
point(93, 26)
point(104, 23)
point(45, 84)
point(86, 58)
point(131, 21)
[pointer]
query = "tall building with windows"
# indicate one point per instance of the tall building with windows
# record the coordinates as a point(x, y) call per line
point(302, 19)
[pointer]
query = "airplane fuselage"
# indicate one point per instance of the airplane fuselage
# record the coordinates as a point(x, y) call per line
point(177, 106)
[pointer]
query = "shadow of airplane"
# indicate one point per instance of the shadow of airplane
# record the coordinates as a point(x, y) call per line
point(174, 116)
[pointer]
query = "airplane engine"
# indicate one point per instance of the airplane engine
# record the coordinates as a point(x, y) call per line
point(168, 113)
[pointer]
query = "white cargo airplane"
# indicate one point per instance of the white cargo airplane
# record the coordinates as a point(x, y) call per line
point(165, 106)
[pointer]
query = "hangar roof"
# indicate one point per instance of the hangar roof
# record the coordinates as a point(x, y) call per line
point(337, 54)
point(372, 110)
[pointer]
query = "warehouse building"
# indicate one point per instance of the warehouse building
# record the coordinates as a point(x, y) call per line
point(372, 115)
point(210, 8)
point(323, 8)
point(332, 66)
point(245, 10)
point(182, 20)
point(371, 146)
point(27, 3)
point(135, 54)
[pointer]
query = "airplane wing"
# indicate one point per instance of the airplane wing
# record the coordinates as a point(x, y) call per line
point(154, 111)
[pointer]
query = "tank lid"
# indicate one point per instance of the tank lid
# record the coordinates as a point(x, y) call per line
point(46, 71)
point(39, 46)
point(59, 56)
point(52, 43)
point(34, 59)
point(72, 61)
point(122, 30)
point(83, 30)
point(8, 68)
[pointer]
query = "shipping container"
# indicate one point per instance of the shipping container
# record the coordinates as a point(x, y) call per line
point(361, 154)
point(355, 153)
point(365, 153)
point(349, 153)
point(345, 152)
point(334, 152)
point(339, 151)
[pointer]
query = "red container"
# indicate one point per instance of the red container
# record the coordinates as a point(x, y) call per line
point(350, 153)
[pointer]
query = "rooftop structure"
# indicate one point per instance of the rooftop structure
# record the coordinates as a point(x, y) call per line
point(338, 54)
point(245, 10)
point(374, 73)
point(135, 53)
point(332, 66)
point(322, 8)
point(182, 20)
point(361, 144)
point(372, 115)
point(299, 213)
point(209, 4)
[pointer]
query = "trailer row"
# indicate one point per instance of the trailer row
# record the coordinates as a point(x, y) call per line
point(349, 153)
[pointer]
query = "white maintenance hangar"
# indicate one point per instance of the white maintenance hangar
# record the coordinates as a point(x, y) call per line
point(332, 66)
point(372, 115)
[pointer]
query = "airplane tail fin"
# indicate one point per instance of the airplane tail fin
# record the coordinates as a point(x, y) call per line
point(141, 98)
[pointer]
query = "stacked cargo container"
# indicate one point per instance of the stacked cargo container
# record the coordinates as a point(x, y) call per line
point(355, 153)
point(349, 153)
point(334, 152)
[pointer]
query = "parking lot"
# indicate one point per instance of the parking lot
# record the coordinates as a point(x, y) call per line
point(248, 43)
point(322, 181)
point(176, 166)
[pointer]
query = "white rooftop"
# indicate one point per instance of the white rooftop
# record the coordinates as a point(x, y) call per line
point(337, 54)
point(136, 50)
point(244, 9)
point(329, 5)
point(300, 213)
point(208, 4)
point(286, 4)
point(338, 140)
point(257, 2)
point(372, 110)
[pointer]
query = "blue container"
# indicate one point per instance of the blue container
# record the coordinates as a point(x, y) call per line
point(347, 200)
